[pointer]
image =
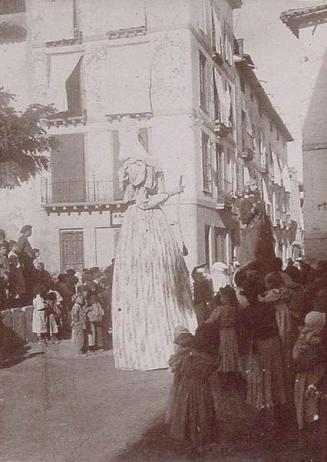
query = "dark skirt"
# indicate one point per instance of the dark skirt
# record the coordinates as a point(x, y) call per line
point(191, 414)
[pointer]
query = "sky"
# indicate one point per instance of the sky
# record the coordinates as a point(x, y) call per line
point(283, 63)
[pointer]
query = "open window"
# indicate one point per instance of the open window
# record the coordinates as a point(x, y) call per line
point(65, 85)
point(203, 82)
point(206, 164)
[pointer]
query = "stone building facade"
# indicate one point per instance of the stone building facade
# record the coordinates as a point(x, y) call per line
point(262, 139)
point(169, 65)
point(303, 23)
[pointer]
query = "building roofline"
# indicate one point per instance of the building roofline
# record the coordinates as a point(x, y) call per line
point(299, 18)
point(247, 70)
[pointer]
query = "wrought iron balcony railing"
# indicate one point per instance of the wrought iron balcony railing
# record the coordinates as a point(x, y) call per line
point(92, 190)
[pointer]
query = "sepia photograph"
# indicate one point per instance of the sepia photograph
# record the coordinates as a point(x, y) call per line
point(163, 231)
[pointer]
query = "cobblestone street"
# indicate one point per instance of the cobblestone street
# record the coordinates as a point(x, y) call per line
point(61, 408)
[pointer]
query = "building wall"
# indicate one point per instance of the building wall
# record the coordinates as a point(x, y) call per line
point(155, 71)
point(265, 140)
point(315, 193)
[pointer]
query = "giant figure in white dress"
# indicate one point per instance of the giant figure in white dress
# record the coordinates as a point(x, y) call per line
point(151, 289)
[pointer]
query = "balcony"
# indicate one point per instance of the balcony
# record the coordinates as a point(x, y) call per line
point(80, 195)
point(126, 33)
point(221, 130)
point(224, 194)
point(76, 39)
point(64, 119)
point(248, 146)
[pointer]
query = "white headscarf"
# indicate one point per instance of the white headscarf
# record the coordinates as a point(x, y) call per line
point(220, 274)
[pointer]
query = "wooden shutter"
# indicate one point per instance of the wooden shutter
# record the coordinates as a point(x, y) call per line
point(68, 169)
point(73, 89)
point(71, 250)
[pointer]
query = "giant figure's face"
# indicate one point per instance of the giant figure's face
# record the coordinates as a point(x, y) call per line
point(136, 172)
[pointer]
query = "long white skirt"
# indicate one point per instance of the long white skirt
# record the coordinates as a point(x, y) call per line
point(151, 291)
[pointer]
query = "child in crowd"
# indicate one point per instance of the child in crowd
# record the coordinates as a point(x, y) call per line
point(202, 292)
point(53, 328)
point(13, 249)
point(280, 296)
point(78, 323)
point(57, 308)
point(36, 258)
point(94, 314)
point(39, 322)
point(226, 314)
point(191, 415)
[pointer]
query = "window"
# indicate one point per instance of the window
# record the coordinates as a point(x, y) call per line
point(217, 109)
point(65, 83)
point(71, 250)
point(252, 96)
point(254, 141)
point(206, 164)
point(228, 171)
point(203, 83)
point(271, 127)
point(12, 6)
point(143, 137)
point(74, 93)
point(243, 126)
point(220, 169)
point(207, 244)
point(68, 170)
point(230, 109)
point(220, 245)
point(277, 135)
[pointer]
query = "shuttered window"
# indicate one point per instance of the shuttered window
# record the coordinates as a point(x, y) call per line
point(71, 250)
point(68, 169)
point(206, 164)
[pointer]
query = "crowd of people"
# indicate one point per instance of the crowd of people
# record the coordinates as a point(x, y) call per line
point(263, 337)
point(75, 307)
point(24, 281)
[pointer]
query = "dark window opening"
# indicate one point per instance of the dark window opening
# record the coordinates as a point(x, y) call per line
point(12, 6)
point(206, 164)
point(74, 91)
point(243, 122)
point(203, 83)
point(207, 244)
point(216, 99)
point(71, 250)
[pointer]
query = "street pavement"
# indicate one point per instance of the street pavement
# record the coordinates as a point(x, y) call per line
point(57, 407)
